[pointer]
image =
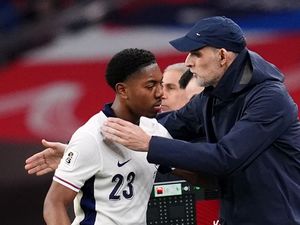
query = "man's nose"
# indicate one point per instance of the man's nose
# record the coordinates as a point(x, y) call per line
point(159, 91)
point(188, 61)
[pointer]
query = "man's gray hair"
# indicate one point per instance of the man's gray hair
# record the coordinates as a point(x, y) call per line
point(180, 67)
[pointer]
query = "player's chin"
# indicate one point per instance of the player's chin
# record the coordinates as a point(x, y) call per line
point(152, 113)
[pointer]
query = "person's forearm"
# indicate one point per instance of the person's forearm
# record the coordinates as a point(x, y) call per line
point(55, 214)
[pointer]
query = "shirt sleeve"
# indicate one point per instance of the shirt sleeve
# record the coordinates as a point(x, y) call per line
point(82, 160)
point(268, 113)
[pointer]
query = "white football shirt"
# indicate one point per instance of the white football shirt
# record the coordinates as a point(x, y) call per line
point(113, 183)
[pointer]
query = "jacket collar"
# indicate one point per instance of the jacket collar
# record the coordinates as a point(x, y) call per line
point(234, 80)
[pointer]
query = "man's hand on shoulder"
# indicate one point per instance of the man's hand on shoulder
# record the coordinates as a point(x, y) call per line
point(126, 133)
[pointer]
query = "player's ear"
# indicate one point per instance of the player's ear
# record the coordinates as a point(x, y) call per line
point(121, 90)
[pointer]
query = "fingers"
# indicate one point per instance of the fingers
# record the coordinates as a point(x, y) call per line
point(44, 171)
point(34, 168)
point(109, 131)
point(110, 135)
point(34, 161)
point(50, 144)
point(46, 160)
point(40, 170)
point(35, 157)
point(38, 167)
point(118, 127)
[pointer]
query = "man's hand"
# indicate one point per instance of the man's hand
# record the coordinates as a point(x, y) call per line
point(47, 160)
point(125, 133)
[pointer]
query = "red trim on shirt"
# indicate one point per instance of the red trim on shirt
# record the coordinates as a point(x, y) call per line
point(67, 182)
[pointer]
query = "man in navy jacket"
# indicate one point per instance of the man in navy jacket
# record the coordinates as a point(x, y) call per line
point(250, 122)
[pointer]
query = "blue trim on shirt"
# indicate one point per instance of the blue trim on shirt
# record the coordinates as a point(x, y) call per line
point(107, 110)
point(88, 202)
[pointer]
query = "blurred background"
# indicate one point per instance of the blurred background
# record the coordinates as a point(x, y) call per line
point(53, 55)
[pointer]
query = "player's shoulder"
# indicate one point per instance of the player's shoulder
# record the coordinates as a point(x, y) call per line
point(94, 122)
point(92, 127)
point(153, 127)
point(148, 124)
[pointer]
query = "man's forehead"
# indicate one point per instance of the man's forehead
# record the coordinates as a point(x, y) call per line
point(150, 73)
point(152, 70)
point(171, 76)
point(150, 67)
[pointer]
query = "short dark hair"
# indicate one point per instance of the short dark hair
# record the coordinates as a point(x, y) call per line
point(126, 62)
point(185, 79)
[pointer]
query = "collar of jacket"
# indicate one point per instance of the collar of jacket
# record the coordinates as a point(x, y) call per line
point(234, 80)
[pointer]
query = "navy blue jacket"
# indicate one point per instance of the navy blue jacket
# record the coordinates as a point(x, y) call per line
point(253, 143)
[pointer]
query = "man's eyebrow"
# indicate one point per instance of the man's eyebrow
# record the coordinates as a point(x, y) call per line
point(170, 85)
point(152, 81)
point(195, 51)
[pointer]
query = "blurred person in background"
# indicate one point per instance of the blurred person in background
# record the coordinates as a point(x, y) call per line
point(174, 97)
point(179, 86)
point(191, 84)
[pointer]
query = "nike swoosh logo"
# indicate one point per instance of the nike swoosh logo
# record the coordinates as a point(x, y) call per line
point(122, 164)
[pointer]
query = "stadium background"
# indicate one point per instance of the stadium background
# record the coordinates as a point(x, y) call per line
point(53, 58)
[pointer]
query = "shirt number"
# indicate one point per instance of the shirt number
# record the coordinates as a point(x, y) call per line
point(127, 191)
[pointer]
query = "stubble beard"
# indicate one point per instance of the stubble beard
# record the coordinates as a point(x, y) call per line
point(206, 83)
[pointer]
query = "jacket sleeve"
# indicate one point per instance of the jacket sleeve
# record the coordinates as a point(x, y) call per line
point(268, 112)
point(185, 123)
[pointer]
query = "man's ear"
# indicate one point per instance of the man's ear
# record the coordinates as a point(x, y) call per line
point(223, 56)
point(121, 90)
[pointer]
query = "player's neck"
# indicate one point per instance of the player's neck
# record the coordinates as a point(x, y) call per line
point(122, 112)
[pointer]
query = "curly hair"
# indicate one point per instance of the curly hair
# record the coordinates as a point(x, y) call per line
point(126, 62)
